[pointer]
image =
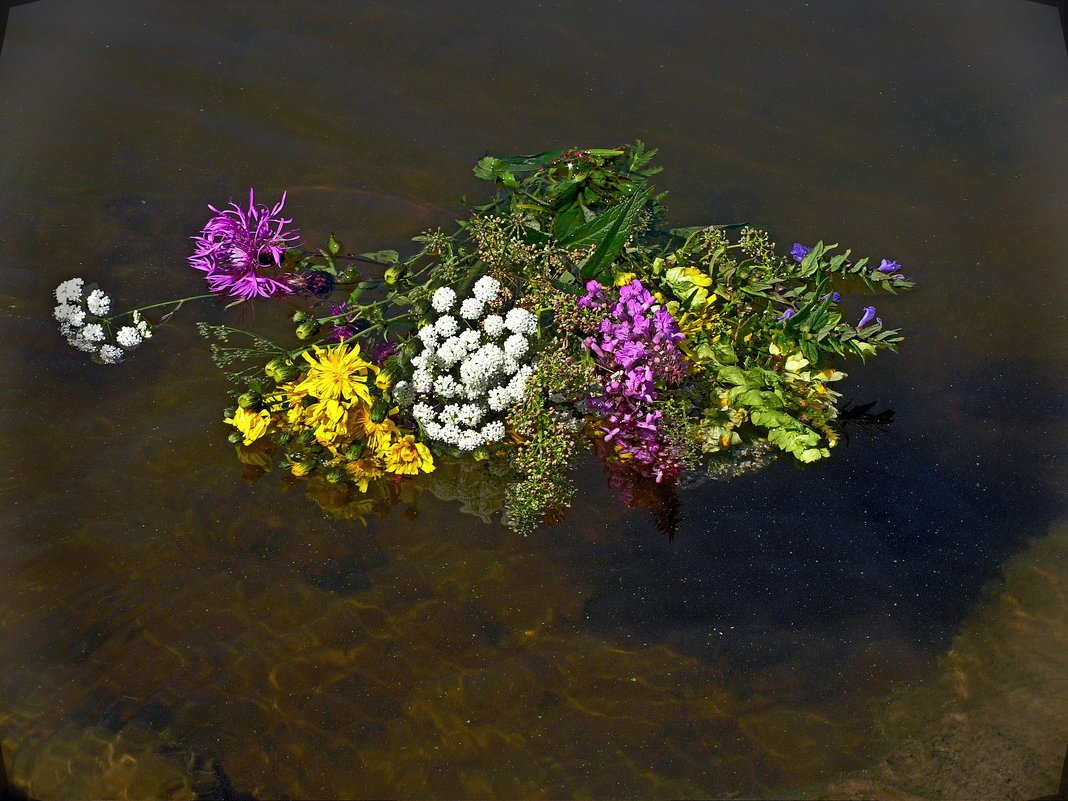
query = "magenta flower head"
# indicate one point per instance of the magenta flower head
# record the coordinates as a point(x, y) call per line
point(238, 247)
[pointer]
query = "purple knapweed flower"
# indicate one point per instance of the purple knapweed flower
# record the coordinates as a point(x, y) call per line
point(888, 267)
point(799, 252)
point(237, 247)
point(786, 315)
point(867, 317)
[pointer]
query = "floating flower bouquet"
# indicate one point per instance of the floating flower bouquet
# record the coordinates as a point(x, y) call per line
point(559, 317)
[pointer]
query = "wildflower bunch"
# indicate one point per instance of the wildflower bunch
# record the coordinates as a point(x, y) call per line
point(558, 318)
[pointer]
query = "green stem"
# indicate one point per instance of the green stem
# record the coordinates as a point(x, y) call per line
point(176, 303)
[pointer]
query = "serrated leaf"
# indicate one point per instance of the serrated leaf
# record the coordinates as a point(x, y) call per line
point(614, 236)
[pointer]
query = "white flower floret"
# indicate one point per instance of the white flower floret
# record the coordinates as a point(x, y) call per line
point(83, 344)
point(486, 288)
point(449, 434)
point(493, 325)
point(516, 346)
point(510, 366)
point(470, 415)
point(471, 309)
point(451, 352)
point(94, 332)
point(520, 321)
point(70, 291)
point(98, 304)
point(444, 298)
point(445, 386)
point(423, 413)
point(499, 399)
point(446, 326)
point(433, 430)
point(429, 335)
point(109, 354)
point(143, 328)
point(422, 380)
point(128, 337)
point(421, 361)
point(470, 339)
point(450, 414)
point(468, 440)
point(493, 432)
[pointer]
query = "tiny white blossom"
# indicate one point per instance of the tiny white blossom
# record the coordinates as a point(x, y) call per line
point(486, 288)
point(428, 335)
point(468, 440)
point(470, 414)
point(510, 366)
point(449, 434)
point(446, 387)
point(499, 399)
point(423, 413)
point(493, 325)
point(443, 299)
point(143, 328)
point(109, 354)
point(450, 415)
point(75, 316)
point(422, 380)
point(433, 430)
point(451, 352)
point(446, 326)
point(98, 303)
point(471, 309)
point(520, 321)
point(128, 337)
point(493, 432)
point(70, 291)
point(63, 312)
point(470, 339)
point(94, 332)
point(516, 346)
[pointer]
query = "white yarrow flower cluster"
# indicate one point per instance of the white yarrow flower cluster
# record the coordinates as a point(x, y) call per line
point(465, 379)
point(84, 323)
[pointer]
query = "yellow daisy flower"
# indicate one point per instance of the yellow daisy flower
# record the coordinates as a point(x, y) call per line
point(337, 373)
point(252, 424)
point(407, 457)
point(362, 471)
point(378, 435)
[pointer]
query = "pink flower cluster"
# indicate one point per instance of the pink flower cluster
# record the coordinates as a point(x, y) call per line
point(636, 348)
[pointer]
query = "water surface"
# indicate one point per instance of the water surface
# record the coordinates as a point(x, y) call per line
point(172, 629)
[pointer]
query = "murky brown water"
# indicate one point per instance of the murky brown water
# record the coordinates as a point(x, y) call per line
point(169, 629)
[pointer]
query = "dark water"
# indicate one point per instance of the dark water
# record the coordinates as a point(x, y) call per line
point(169, 629)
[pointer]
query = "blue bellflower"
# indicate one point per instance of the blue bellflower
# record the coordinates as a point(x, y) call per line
point(799, 252)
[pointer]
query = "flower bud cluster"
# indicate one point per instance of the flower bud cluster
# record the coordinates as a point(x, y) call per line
point(83, 320)
point(472, 367)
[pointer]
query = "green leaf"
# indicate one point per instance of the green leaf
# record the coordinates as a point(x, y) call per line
point(613, 233)
point(333, 246)
point(492, 168)
point(383, 256)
